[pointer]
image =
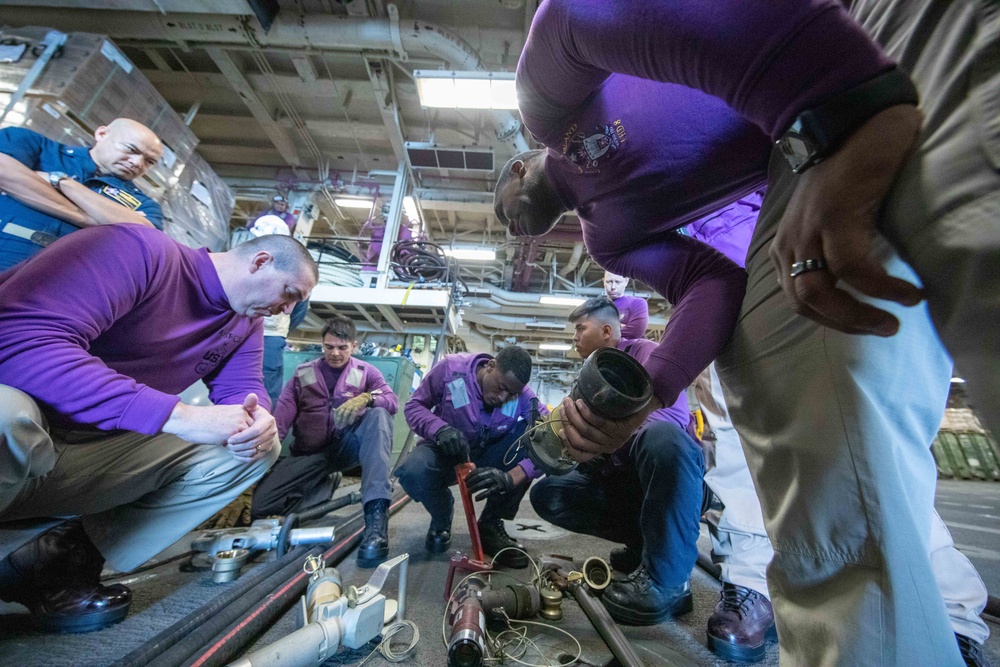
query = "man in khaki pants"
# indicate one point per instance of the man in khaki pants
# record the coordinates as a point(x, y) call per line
point(98, 335)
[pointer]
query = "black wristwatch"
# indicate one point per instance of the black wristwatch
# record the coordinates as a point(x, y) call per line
point(816, 133)
point(55, 177)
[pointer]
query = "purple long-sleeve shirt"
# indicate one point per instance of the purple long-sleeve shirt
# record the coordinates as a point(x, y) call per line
point(107, 325)
point(657, 114)
point(450, 395)
point(633, 313)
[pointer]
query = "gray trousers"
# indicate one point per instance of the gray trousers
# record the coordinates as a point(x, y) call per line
point(836, 427)
point(137, 494)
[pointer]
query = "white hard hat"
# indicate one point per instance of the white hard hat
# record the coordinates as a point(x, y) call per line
point(269, 224)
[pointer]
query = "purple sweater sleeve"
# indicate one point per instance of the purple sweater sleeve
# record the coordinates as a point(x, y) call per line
point(241, 373)
point(387, 399)
point(766, 60)
point(706, 289)
point(288, 407)
point(45, 336)
point(418, 409)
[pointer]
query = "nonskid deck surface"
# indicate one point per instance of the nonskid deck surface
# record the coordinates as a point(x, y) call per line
point(164, 594)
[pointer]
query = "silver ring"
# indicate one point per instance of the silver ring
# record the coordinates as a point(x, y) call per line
point(257, 447)
point(798, 268)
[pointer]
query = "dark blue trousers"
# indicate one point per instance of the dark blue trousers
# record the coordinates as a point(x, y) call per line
point(652, 502)
point(426, 475)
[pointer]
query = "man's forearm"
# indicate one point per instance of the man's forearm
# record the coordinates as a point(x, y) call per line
point(100, 209)
point(33, 191)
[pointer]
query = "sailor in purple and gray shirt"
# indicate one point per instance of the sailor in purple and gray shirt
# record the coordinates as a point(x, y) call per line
point(99, 333)
point(340, 410)
point(656, 114)
point(634, 310)
point(472, 407)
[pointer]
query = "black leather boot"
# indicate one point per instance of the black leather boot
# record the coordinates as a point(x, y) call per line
point(638, 600)
point(626, 559)
point(495, 538)
point(439, 534)
point(57, 577)
point(374, 546)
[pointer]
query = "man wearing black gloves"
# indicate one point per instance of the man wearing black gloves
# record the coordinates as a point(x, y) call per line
point(471, 407)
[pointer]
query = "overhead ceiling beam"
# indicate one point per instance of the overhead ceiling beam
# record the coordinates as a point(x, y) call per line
point(158, 60)
point(275, 132)
point(378, 72)
point(284, 83)
point(392, 318)
point(364, 311)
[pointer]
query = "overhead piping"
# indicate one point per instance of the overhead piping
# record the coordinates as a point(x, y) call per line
point(399, 40)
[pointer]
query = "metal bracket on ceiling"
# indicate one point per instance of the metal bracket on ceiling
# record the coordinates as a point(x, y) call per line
point(394, 33)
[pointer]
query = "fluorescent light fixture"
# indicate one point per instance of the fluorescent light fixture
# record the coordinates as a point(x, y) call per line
point(558, 347)
point(465, 90)
point(344, 202)
point(957, 381)
point(561, 300)
point(478, 254)
point(545, 325)
point(410, 208)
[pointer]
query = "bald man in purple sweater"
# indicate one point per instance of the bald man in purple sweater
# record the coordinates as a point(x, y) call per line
point(654, 114)
point(98, 334)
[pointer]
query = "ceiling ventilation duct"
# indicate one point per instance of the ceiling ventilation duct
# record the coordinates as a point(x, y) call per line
point(431, 156)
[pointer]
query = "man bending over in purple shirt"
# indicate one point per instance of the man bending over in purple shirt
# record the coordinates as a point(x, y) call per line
point(98, 335)
point(654, 114)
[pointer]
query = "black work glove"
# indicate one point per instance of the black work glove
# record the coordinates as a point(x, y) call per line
point(490, 481)
point(452, 443)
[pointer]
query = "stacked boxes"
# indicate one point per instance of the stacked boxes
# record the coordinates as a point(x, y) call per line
point(88, 83)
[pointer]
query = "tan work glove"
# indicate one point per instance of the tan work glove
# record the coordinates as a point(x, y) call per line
point(350, 410)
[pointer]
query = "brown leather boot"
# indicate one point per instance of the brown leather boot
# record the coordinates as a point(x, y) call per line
point(57, 577)
point(742, 625)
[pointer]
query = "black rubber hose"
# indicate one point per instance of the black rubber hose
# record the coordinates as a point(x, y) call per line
point(612, 635)
point(162, 641)
point(712, 569)
point(250, 623)
point(180, 652)
point(290, 522)
point(329, 506)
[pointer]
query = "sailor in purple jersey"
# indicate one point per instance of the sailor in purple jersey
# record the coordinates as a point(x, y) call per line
point(98, 334)
point(633, 309)
point(646, 495)
point(340, 410)
point(656, 114)
point(471, 407)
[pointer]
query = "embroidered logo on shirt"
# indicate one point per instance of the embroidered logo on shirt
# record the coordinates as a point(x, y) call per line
point(120, 196)
point(211, 359)
point(459, 395)
point(588, 150)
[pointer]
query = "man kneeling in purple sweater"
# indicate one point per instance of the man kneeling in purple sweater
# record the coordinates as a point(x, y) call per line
point(98, 335)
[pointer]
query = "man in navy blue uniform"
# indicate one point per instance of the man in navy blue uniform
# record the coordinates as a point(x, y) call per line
point(48, 189)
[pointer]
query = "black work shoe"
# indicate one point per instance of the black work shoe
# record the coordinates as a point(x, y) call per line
point(495, 538)
point(625, 559)
point(374, 546)
point(638, 600)
point(972, 652)
point(742, 625)
point(57, 577)
point(438, 539)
